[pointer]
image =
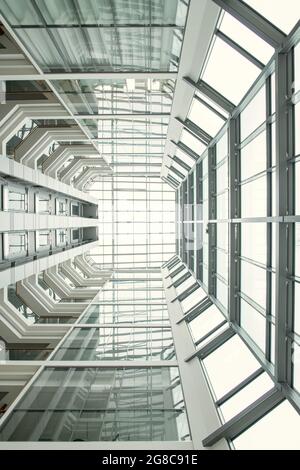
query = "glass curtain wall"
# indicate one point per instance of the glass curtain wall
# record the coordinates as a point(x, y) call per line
point(238, 218)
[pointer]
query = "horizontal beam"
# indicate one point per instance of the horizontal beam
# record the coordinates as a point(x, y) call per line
point(132, 116)
point(90, 76)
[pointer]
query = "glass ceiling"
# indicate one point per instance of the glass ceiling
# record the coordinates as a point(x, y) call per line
point(119, 35)
point(126, 118)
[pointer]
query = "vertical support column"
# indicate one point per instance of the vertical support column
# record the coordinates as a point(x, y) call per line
point(199, 220)
point(281, 303)
point(212, 215)
point(234, 213)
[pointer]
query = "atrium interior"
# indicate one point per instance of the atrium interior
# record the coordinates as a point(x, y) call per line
point(150, 215)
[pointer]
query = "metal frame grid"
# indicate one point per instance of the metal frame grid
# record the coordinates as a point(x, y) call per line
point(276, 355)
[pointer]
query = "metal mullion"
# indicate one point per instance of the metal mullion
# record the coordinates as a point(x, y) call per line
point(197, 131)
point(291, 209)
point(177, 172)
point(210, 107)
point(212, 94)
point(177, 271)
point(199, 200)
point(183, 278)
point(211, 332)
point(184, 165)
point(234, 212)
point(240, 49)
point(240, 386)
point(246, 418)
point(254, 21)
point(186, 149)
point(281, 209)
point(196, 311)
point(214, 344)
point(212, 228)
point(187, 292)
point(269, 214)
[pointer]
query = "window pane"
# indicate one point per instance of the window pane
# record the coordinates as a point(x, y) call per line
point(282, 14)
point(254, 157)
point(206, 119)
point(278, 430)
point(222, 293)
point(193, 299)
point(253, 197)
point(192, 142)
point(246, 38)
point(102, 404)
point(246, 396)
point(254, 324)
point(229, 365)
point(205, 322)
point(229, 83)
point(254, 114)
point(253, 241)
point(253, 282)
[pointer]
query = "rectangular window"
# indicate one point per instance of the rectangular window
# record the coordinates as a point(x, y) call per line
point(254, 114)
point(117, 343)
point(17, 200)
point(254, 198)
point(102, 404)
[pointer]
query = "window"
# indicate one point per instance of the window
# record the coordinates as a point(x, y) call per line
point(229, 365)
point(117, 343)
point(254, 156)
point(192, 142)
point(43, 240)
point(229, 83)
point(246, 38)
point(61, 237)
point(205, 322)
point(254, 114)
point(43, 202)
point(143, 404)
point(75, 209)
point(253, 282)
point(277, 430)
point(205, 118)
point(254, 323)
point(75, 235)
point(254, 198)
point(254, 241)
point(17, 200)
point(247, 395)
point(61, 207)
point(15, 244)
point(281, 14)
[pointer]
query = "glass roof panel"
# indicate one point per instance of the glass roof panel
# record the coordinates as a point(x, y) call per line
point(123, 35)
point(282, 14)
point(277, 430)
point(205, 118)
point(192, 142)
point(246, 396)
point(229, 72)
point(229, 365)
point(246, 38)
